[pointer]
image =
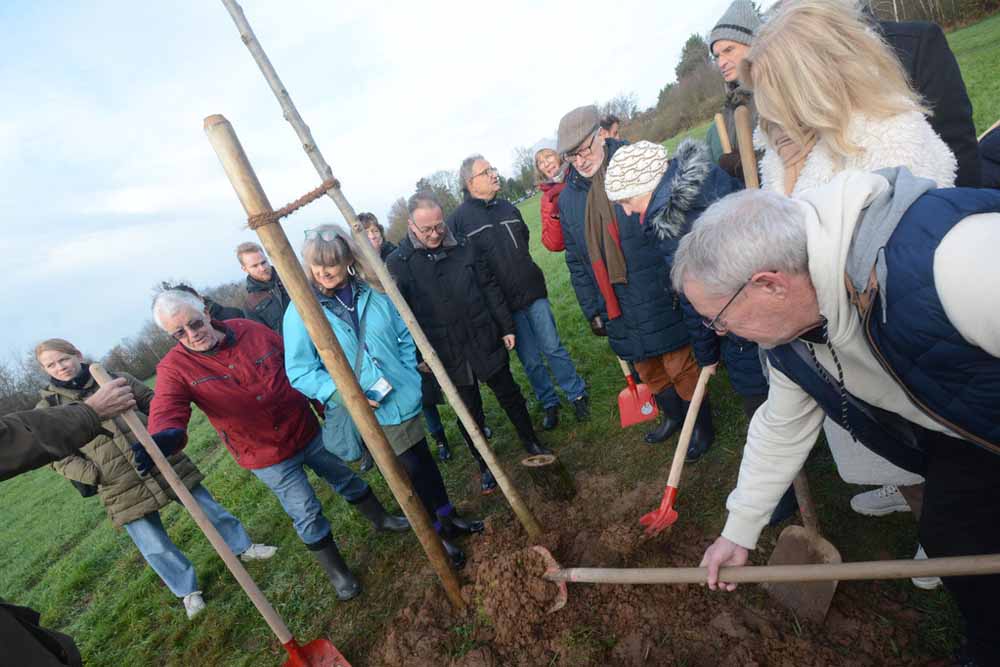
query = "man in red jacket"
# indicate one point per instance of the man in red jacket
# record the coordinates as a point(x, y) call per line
point(234, 372)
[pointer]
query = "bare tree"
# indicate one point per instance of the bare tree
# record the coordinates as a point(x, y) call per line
point(623, 105)
point(395, 230)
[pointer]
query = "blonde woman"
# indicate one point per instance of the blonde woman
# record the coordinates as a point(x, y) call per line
point(549, 174)
point(832, 96)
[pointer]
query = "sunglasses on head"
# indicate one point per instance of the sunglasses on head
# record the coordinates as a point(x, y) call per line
point(324, 234)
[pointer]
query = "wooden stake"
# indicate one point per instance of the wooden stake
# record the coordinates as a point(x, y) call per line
point(744, 137)
point(720, 127)
point(241, 174)
point(372, 259)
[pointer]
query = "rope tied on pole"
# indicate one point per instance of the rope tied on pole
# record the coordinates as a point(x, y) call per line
point(260, 219)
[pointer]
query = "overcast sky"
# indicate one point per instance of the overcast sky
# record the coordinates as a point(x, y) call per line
point(108, 184)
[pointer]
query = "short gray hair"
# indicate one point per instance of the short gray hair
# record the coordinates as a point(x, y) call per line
point(740, 235)
point(170, 302)
point(465, 171)
point(422, 199)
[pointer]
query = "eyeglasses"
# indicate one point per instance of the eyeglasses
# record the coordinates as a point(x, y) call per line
point(491, 171)
point(324, 234)
point(583, 152)
point(713, 324)
point(726, 53)
point(192, 326)
point(439, 228)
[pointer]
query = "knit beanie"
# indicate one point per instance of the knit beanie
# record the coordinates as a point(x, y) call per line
point(635, 170)
point(738, 24)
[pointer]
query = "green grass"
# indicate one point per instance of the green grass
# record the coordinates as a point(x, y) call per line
point(62, 557)
point(696, 132)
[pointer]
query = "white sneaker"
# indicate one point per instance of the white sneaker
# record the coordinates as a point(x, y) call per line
point(258, 552)
point(879, 502)
point(193, 604)
point(926, 583)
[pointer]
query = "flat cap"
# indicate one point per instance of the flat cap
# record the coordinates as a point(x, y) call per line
point(576, 126)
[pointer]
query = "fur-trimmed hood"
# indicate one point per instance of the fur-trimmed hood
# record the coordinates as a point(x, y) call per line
point(680, 190)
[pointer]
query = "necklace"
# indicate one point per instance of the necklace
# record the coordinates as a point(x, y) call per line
point(350, 309)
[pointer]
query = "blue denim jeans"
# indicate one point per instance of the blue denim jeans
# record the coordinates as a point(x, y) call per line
point(432, 418)
point(163, 555)
point(537, 337)
point(289, 482)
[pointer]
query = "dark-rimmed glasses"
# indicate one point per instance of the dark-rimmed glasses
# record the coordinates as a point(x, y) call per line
point(192, 326)
point(713, 324)
point(584, 152)
point(491, 171)
point(439, 228)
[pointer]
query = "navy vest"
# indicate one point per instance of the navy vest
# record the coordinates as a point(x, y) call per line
point(949, 379)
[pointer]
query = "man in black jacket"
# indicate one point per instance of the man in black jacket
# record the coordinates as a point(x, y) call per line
point(460, 306)
point(267, 298)
point(497, 230)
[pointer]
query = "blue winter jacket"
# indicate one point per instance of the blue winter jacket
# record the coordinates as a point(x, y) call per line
point(689, 186)
point(389, 353)
point(651, 323)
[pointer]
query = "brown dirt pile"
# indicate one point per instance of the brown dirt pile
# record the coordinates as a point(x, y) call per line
point(507, 624)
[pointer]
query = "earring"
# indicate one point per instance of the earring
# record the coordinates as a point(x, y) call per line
point(351, 271)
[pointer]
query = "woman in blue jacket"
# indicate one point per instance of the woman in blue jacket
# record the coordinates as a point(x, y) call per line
point(384, 358)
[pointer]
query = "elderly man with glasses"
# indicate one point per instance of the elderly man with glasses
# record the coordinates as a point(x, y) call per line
point(234, 372)
point(876, 299)
point(497, 230)
point(620, 279)
point(460, 306)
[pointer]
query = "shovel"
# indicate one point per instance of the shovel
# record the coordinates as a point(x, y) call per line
point(635, 402)
point(720, 127)
point(955, 566)
point(317, 653)
point(798, 545)
point(744, 137)
point(665, 515)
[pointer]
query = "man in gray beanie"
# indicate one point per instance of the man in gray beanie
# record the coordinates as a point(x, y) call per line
point(729, 43)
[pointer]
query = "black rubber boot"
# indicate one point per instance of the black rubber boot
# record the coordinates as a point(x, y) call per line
point(344, 583)
point(487, 483)
point(703, 434)
point(456, 555)
point(454, 526)
point(582, 408)
point(370, 507)
point(367, 462)
point(672, 410)
point(444, 450)
point(534, 447)
point(551, 418)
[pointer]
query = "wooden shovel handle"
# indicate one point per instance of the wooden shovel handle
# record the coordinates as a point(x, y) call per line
point(720, 127)
point(885, 569)
point(677, 467)
point(806, 507)
point(626, 371)
point(232, 562)
point(744, 137)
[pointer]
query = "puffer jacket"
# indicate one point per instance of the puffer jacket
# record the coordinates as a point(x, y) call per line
point(689, 186)
point(652, 322)
point(109, 462)
point(498, 232)
point(457, 302)
point(552, 234)
point(267, 302)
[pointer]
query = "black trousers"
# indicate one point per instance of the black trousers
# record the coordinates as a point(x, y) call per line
point(961, 504)
point(425, 477)
point(511, 399)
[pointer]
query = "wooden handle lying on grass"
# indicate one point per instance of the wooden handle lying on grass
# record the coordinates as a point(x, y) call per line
point(880, 569)
point(198, 514)
point(720, 127)
point(744, 136)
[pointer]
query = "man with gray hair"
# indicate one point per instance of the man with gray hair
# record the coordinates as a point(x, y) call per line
point(460, 306)
point(495, 227)
point(876, 298)
point(235, 372)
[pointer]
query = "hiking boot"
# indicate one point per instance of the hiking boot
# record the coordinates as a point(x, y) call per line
point(193, 604)
point(367, 462)
point(535, 448)
point(453, 526)
point(344, 583)
point(551, 418)
point(455, 554)
point(926, 583)
point(703, 434)
point(672, 410)
point(370, 508)
point(487, 483)
point(879, 502)
point(581, 407)
point(444, 451)
point(258, 552)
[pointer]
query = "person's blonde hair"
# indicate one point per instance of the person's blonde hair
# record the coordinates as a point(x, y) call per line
point(338, 251)
point(815, 64)
point(56, 345)
point(539, 176)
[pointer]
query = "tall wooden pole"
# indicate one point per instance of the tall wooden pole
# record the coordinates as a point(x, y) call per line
point(373, 260)
point(241, 174)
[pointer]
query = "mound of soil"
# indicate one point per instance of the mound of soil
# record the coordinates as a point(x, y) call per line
point(507, 623)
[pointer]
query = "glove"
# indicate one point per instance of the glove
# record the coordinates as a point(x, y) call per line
point(597, 327)
point(170, 441)
point(731, 164)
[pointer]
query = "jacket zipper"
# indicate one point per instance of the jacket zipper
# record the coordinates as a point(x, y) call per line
point(507, 225)
point(913, 399)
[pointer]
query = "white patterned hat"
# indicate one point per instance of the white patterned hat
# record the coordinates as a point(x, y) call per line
point(635, 169)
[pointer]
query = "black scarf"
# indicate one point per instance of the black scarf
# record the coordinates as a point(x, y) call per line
point(78, 382)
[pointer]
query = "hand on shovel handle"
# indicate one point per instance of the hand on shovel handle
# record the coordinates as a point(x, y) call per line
point(666, 515)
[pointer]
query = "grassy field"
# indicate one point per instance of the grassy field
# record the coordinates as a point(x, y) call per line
point(62, 557)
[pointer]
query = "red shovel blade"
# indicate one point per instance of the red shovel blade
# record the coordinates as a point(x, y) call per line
point(662, 517)
point(636, 404)
point(317, 653)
